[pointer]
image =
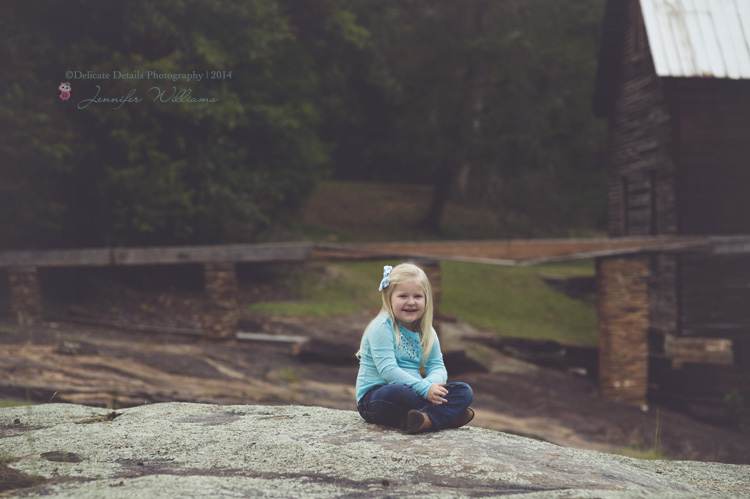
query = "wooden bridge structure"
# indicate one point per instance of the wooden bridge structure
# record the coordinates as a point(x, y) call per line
point(622, 274)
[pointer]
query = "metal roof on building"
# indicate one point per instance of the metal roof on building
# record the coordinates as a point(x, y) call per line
point(699, 38)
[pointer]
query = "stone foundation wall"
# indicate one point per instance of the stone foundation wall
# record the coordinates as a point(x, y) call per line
point(221, 314)
point(622, 308)
point(25, 295)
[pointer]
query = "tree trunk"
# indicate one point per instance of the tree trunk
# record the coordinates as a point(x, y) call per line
point(461, 130)
point(431, 221)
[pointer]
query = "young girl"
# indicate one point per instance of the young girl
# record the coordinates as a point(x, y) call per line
point(390, 389)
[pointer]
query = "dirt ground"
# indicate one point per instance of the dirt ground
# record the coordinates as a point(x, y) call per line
point(97, 356)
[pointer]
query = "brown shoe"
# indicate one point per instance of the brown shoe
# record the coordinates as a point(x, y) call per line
point(418, 422)
point(462, 418)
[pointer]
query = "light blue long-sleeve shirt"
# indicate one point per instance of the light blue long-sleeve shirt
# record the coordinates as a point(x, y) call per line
point(381, 363)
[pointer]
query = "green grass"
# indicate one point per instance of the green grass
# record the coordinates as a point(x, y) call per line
point(332, 290)
point(511, 301)
point(12, 403)
point(374, 211)
point(311, 309)
point(648, 454)
point(652, 451)
point(363, 211)
point(514, 301)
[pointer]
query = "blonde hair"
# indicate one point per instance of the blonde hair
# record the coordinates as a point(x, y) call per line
point(408, 272)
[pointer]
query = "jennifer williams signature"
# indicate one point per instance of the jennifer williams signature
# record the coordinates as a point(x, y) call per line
point(181, 96)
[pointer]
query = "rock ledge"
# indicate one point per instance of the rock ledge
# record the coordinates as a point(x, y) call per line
point(197, 450)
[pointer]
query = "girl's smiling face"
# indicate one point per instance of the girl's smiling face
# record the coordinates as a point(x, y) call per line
point(408, 303)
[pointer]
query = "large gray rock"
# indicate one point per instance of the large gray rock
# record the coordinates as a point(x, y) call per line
point(195, 450)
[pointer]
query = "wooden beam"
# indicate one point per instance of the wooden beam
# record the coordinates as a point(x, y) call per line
point(143, 328)
point(692, 246)
point(509, 253)
point(730, 245)
point(271, 338)
point(390, 250)
point(97, 257)
point(50, 258)
point(503, 252)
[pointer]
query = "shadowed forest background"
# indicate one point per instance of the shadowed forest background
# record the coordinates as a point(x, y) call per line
point(483, 104)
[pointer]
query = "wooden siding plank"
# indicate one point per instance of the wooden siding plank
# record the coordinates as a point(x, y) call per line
point(714, 295)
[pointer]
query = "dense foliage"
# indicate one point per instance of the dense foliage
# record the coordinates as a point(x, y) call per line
point(487, 99)
point(153, 172)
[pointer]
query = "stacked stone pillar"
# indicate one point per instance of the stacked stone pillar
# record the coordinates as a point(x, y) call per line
point(622, 308)
point(221, 314)
point(25, 295)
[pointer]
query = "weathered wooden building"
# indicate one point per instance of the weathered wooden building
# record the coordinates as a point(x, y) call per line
point(674, 82)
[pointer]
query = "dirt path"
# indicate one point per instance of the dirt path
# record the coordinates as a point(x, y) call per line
point(116, 368)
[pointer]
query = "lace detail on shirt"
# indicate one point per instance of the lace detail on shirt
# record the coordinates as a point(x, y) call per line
point(411, 348)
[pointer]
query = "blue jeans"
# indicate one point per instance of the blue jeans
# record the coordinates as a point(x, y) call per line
point(388, 405)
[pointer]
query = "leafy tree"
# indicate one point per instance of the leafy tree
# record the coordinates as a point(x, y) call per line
point(486, 99)
point(154, 172)
point(357, 112)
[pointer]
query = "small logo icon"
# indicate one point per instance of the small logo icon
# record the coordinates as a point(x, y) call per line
point(64, 91)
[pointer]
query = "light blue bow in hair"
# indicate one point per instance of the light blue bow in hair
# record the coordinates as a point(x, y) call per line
point(385, 282)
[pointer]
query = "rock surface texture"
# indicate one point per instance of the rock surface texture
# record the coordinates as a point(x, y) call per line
point(200, 450)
